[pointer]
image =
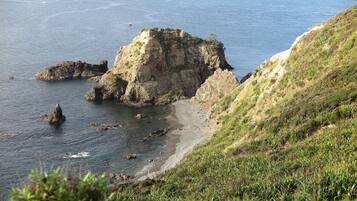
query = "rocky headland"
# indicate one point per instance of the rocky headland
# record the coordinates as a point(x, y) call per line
point(160, 66)
point(72, 70)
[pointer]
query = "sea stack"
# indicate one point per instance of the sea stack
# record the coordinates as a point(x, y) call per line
point(160, 66)
point(55, 117)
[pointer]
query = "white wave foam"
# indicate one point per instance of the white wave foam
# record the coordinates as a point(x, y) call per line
point(145, 170)
point(77, 155)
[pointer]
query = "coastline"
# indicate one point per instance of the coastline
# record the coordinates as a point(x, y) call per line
point(196, 128)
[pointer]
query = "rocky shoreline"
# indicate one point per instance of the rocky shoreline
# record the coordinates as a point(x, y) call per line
point(195, 128)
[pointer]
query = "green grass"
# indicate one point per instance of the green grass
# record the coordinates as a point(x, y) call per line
point(304, 148)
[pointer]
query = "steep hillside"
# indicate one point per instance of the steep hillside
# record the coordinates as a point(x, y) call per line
point(289, 132)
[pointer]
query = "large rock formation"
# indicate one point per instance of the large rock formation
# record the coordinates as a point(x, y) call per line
point(72, 70)
point(220, 84)
point(55, 117)
point(160, 66)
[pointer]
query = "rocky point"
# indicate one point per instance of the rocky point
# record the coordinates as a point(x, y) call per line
point(72, 70)
point(160, 66)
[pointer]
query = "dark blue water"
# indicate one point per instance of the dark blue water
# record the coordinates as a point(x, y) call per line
point(35, 33)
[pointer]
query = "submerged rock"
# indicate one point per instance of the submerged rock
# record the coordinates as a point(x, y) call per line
point(139, 116)
point(160, 132)
point(156, 133)
point(100, 127)
point(72, 70)
point(55, 117)
point(130, 156)
point(160, 66)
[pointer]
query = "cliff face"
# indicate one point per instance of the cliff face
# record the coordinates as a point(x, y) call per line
point(72, 70)
point(160, 66)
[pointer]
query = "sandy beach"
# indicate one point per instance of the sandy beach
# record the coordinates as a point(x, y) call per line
point(196, 128)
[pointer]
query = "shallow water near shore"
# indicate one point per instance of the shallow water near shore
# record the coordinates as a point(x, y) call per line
point(26, 142)
point(34, 34)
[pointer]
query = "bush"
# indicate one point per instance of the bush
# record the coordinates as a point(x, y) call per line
point(53, 186)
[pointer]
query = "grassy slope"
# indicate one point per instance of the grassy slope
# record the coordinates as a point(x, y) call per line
point(289, 132)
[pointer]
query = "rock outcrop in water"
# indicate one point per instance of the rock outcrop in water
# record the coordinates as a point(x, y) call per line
point(72, 70)
point(220, 84)
point(55, 117)
point(160, 66)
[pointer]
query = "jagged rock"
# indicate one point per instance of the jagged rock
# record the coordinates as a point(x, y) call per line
point(72, 70)
point(221, 83)
point(55, 117)
point(160, 66)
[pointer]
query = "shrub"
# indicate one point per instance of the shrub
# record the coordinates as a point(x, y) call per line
point(53, 186)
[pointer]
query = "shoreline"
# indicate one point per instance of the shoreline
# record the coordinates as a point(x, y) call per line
point(195, 129)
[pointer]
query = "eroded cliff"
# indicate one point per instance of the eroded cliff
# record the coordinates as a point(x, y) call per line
point(160, 66)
